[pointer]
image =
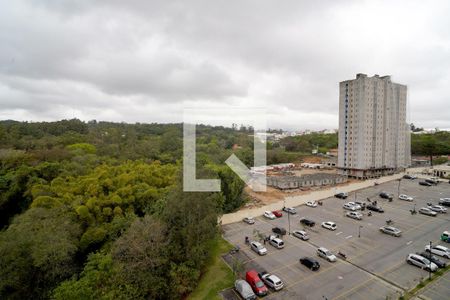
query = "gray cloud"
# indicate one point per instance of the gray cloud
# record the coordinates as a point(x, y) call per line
point(141, 60)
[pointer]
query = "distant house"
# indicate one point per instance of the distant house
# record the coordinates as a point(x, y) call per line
point(332, 152)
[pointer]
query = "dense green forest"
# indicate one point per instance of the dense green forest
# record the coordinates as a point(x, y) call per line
point(95, 210)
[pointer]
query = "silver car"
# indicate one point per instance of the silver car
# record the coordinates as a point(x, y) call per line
point(290, 210)
point(354, 215)
point(421, 262)
point(391, 230)
point(301, 234)
point(258, 248)
point(272, 281)
point(244, 289)
point(438, 208)
point(427, 211)
point(249, 220)
point(405, 197)
point(325, 253)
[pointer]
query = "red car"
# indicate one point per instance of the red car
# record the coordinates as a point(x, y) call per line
point(256, 283)
point(277, 213)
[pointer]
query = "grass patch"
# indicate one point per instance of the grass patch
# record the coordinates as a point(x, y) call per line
point(217, 275)
point(410, 294)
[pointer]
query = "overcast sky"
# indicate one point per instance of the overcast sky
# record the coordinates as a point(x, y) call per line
point(143, 61)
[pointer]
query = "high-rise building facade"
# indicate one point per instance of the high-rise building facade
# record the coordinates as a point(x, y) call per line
point(374, 137)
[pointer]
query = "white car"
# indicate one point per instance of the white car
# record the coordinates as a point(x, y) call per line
point(311, 203)
point(354, 215)
point(290, 210)
point(269, 215)
point(325, 253)
point(439, 250)
point(355, 204)
point(427, 211)
point(421, 262)
point(438, 208)
point(258, 248)
point(405, 197)
point(349, 207)
point(272, 281)
point(301, 234)
point(329, 225)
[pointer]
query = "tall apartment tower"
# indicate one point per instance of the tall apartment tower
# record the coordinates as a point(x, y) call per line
point(374, 137)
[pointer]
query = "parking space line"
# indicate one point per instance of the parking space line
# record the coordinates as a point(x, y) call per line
point(354, 288)
point(340, 232)
point(348, 237)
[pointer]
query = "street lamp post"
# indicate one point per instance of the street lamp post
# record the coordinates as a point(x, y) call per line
point(429, 269)
point(398, 188)
point(289, 216)
point(289, 222)
point(359, 231)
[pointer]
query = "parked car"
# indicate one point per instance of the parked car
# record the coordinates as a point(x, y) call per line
point(310, 263)
point(439, 250)
point(407, 176)
point(244, 289)
point(444, 201)
point(329, 225)
point(290, 210)
point(249, 220)
point(301, 234)
point(386, 195)
point(357, 205)
point(427, 211)
point(438, 208)
point(307, 222)
point(279, 230)
point(341, 195)
point(432, 181)
point(256, 283)
point(349, 206)
point(269, 215)
point(424, 183)
point(421, 262)
point(433, 259)
point(258, 248)
point(445, 236)
point(272, 281)
point(361, 204)
point(277, 213)
point(375, 208)
point(405, 197)
point(325, 253)
point(354, 215)
point(391, 230)
point(311, 203)
point(276, 242)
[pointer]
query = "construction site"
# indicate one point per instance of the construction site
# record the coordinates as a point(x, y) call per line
point(290, 179)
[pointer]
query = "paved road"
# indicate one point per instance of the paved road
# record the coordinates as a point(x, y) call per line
point(375, 268)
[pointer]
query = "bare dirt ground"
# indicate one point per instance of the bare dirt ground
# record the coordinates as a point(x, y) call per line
point(258, 199)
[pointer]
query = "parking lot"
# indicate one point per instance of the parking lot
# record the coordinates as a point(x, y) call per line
point(375, 267)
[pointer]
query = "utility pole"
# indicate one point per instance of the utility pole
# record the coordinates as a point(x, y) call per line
point(398, 188)
point(359, 231)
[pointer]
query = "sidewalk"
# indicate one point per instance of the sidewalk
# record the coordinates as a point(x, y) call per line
point(313, 196)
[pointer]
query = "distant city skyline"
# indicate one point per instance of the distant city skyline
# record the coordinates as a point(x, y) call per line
point(138, 61)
